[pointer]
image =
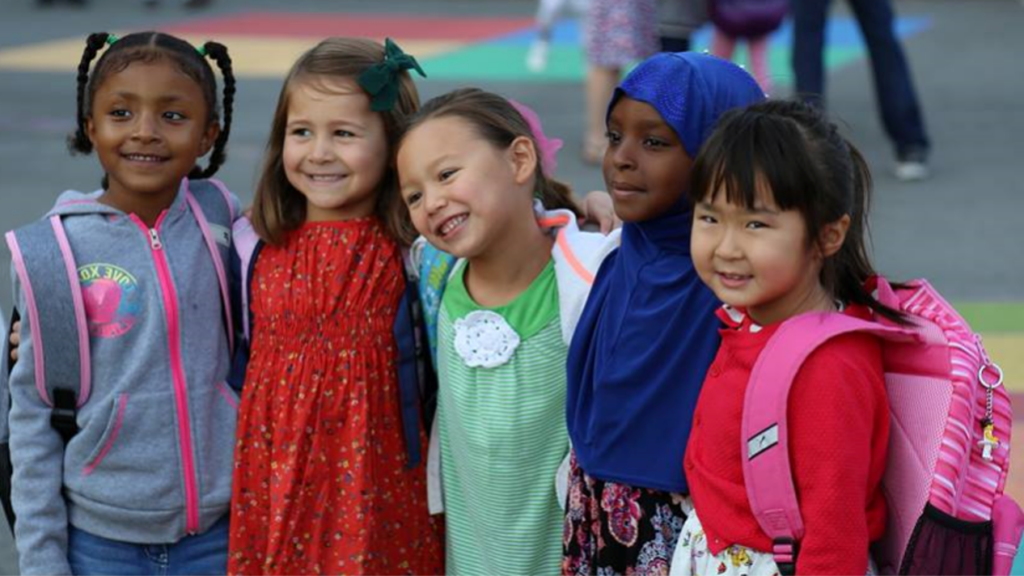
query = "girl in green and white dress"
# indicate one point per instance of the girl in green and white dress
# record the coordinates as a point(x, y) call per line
point(473, 171)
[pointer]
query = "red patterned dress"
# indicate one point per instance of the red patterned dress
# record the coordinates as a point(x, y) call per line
point(321, 484)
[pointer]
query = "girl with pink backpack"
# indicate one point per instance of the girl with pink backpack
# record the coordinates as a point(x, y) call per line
point(840, 411)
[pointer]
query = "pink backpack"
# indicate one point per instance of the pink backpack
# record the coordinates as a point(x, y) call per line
point(949, 446)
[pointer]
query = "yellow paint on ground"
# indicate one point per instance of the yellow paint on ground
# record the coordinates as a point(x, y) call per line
point(1015, 479)
point(251, 56)
point(1007, 350)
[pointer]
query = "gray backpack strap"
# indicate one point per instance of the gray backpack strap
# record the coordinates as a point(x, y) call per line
point(6, 471)
point(45, 265)
point(211, 204)
point(5, 371)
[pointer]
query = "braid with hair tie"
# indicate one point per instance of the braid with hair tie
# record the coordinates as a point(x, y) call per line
point(78, 141)
point(219, 53)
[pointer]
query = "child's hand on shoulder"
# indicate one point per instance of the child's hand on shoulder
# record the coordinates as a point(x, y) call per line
point(15, 340)
point(598, 209)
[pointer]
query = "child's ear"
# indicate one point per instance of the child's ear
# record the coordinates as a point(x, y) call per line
point(833, 235)
point(524, 159)
point(209, 138)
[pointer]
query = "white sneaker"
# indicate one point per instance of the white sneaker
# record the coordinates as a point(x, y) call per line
point(537, 57)
point(912, 171)
point(912, 165)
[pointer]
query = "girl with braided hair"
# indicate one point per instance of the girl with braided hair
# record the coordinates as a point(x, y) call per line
point(142, 482)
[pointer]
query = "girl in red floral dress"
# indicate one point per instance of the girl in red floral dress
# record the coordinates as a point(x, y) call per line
point(327, 475)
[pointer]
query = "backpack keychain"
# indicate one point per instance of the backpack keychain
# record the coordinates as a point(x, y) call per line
point(989, 441)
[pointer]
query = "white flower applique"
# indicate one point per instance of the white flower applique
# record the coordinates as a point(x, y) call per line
point(485, 339)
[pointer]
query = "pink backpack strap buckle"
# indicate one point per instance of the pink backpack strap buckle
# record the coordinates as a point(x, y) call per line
point(784, 552)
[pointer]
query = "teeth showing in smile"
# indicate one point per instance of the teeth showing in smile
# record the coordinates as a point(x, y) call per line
point(733, 280)
point(452, 224)
point(324, 177)
point(143, 158)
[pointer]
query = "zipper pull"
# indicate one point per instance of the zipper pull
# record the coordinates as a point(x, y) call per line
point(154, 239)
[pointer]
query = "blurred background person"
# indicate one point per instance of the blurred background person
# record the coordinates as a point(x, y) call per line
point(678, 21)
point(897, 100)
point(618, 33)
point(548, 13)
point(750, 20)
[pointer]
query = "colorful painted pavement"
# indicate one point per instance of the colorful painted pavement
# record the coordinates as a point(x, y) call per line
point(264, 44)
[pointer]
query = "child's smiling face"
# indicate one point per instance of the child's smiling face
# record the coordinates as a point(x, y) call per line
point(646, 167)
point(148, 124)
point(759, 257)
point(467, 196)
point(335, 149)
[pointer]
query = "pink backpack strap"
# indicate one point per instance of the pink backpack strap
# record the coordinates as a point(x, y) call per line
point(766, 467)
point(245, 241)
point(218, 264)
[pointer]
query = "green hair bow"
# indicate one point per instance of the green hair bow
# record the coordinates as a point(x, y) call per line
point(381, 80)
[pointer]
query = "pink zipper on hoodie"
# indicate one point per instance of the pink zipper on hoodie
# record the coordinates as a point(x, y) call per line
point(170, 298)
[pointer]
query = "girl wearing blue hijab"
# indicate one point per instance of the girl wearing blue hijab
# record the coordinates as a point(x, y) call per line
point(648, 332)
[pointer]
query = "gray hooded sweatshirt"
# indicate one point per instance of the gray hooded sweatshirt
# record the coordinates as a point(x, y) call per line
point(152, 461)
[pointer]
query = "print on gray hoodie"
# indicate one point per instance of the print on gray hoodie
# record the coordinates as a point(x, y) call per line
point(152, 461)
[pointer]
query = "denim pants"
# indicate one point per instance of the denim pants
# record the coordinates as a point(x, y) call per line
point(205, 553)
point(901, 114)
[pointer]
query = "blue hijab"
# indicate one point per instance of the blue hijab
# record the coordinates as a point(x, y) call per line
point(648, 332)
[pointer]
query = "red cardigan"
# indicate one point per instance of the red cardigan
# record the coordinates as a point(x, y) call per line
point(839, 433)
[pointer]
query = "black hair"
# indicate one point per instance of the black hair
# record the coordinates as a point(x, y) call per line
point(148, 47)
point(799, 156)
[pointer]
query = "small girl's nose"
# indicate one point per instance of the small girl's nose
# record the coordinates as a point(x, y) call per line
point(322, 151)
point(727, 247)
point(146, 127)
point(434, 201)
point(621, 156)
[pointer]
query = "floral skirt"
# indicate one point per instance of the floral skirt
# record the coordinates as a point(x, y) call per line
point(620, 32)
point(693, 558)
point(613, 528)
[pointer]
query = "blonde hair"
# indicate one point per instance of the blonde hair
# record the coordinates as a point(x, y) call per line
point(278, 207)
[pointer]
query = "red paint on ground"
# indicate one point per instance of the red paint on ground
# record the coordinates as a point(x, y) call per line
point(378, 26)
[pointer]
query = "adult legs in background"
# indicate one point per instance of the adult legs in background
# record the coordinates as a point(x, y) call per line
point(758, 50)
point(618, 33)
point(722, 45)
point(897, 100)
point(894, 88)
point(548, 13)
point(601, 82)
point(809, 19)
